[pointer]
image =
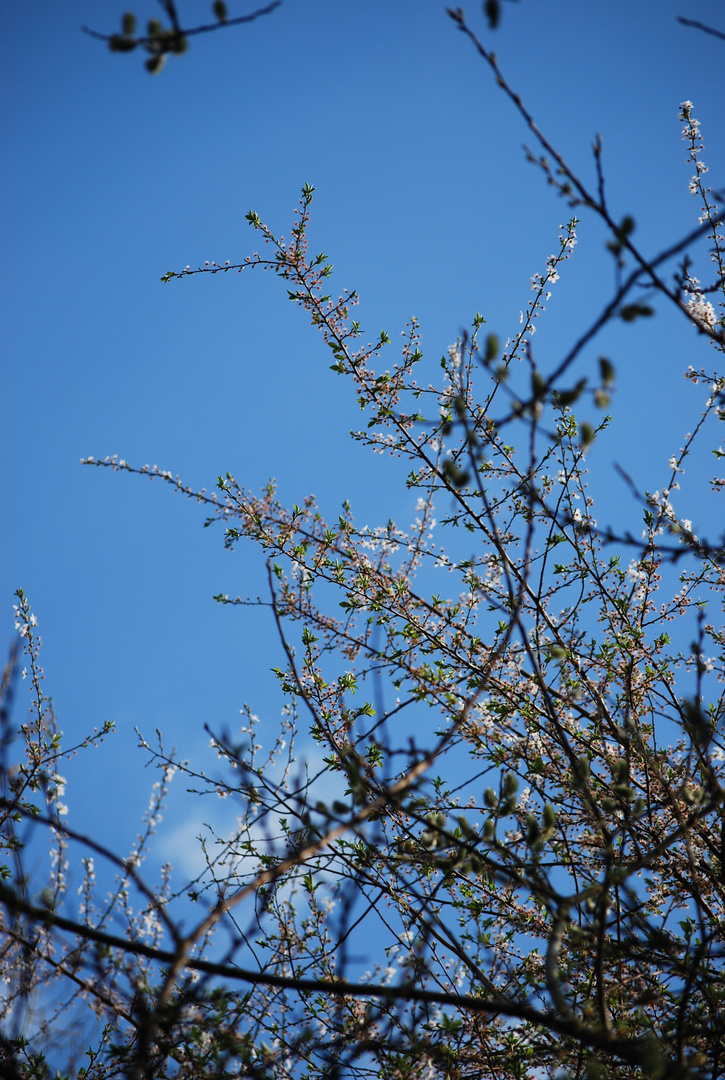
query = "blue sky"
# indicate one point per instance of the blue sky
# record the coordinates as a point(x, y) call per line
point(424, 204)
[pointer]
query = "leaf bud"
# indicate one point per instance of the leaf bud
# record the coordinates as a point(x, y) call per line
point(620, 770)
point(510, 783)
point(630, 312)
point(466, 831)
point(581, 770)
point(492, 345)
point(128, 23)
point(154, 64)
point(568, 397)
point(117, 43)
point(538, 385)
point(220, 10)
point(695, 722)
point(606, 370)
point(627, 226)
point(454, 475)
point(492, 10)
point(587, 433)
point(652, 1058)
point(595, 1069)
point(533, 832)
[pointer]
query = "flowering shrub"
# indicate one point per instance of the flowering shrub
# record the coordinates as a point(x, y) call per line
point(517, 711)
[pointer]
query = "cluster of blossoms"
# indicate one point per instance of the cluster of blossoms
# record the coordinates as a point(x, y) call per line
point(691, 134)
point(455, 355)
point(700, 309)
point(24, 622)
point(385, 539)
point(540, 282)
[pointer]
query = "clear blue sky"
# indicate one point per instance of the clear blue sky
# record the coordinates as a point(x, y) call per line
point(425, 205)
